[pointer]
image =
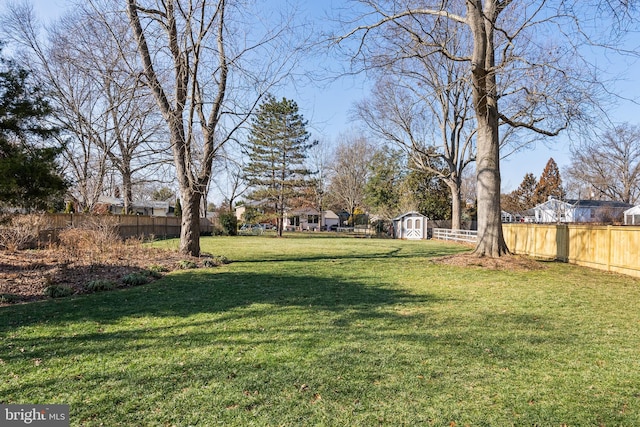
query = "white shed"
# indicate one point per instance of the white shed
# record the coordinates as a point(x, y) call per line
point(411, 226)
point(632, 216)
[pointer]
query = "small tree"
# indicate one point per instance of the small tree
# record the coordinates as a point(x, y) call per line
point(178, 209)
point(382, 191)
point(277, 148)
point(550, 184)
point(349, 173)
point(162, 194)
point(523, 198)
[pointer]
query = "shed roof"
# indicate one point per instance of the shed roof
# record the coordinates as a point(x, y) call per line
point(412, 213)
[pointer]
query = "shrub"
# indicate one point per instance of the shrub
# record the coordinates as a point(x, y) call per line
point(135, 279)
point(100, 285)
point(58, 291)
point(186, 264)
point(20, 231)
point(215, 261)
point(9, 298)
point(156, 269)
point(96, 239)
point(229, 223)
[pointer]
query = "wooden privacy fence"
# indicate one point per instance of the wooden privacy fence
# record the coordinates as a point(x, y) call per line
point(126, 225)
point(609, 248)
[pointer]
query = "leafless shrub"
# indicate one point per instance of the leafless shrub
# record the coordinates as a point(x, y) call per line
point(96, 239)
point(21, 231)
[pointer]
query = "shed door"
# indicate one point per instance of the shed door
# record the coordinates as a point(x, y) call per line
point(413, 227)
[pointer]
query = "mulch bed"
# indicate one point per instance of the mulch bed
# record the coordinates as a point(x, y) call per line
point(25, 274)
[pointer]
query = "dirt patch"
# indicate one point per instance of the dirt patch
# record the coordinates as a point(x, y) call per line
point(506, 262)
point(24, 275)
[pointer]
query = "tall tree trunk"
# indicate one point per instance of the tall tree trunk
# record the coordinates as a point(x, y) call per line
point(485, 99)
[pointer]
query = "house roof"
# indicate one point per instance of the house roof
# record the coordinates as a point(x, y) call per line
point(306, 211)
point(330, 215)
point(584, 203)
point(633, 211)
point(599, 203)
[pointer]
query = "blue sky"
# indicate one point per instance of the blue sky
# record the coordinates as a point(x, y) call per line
point(327, 108)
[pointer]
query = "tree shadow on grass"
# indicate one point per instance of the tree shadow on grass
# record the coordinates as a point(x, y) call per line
point(208, 291)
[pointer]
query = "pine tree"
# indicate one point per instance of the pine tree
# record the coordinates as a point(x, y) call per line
point(550, 184)
point(277, 148)
point(523, 198)
point(30, 176)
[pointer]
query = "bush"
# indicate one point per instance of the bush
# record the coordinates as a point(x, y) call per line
point(215, 261)
point(21, 231)
point(9, 298)
point(186, 264)
point(100, 285)
point(97, 239)
point(135, 279)
point(58, 291)
point(229, 223)
point(155, 270)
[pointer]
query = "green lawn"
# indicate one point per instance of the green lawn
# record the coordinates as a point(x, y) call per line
point(336, 332)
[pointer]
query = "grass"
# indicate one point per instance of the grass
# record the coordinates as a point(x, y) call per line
point(336, 332)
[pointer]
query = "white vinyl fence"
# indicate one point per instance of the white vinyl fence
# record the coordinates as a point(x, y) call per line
point(466, 236)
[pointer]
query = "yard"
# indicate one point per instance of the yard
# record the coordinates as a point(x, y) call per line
point(335, 331)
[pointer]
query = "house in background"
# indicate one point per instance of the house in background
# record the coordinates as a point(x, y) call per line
point(632, 216)
point(410, 226)
point(115, 206)
point(310, 219)
point(566, 211)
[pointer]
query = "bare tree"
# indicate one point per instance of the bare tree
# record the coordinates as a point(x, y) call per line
point(350, 171)
point(525, 55)
point(609, 166)
point(201, 64)
point(105, 112)
point(235, 184)
point(409, 116)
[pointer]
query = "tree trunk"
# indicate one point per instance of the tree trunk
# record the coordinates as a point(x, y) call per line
point(456, 206)
point(127, 190)
point(490, 238)
point(190, 230)
point(280, 221)
point(485, 100)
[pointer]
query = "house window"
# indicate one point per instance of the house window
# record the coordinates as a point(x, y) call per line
point(313, 219)
point(295, 221)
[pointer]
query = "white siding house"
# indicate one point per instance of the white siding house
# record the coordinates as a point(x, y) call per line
point(632, 216)
point(565, 211)
point(411, 226)
point(310, 219)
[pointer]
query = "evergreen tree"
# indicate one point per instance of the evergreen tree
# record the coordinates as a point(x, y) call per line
point(277, 148)
point(550, 183)
point(523, 198)
point(383, 189)
point(30, 176)
point(429, 194)
point(425, 191)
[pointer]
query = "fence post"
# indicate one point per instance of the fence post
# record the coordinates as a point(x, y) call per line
point(609, 247)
